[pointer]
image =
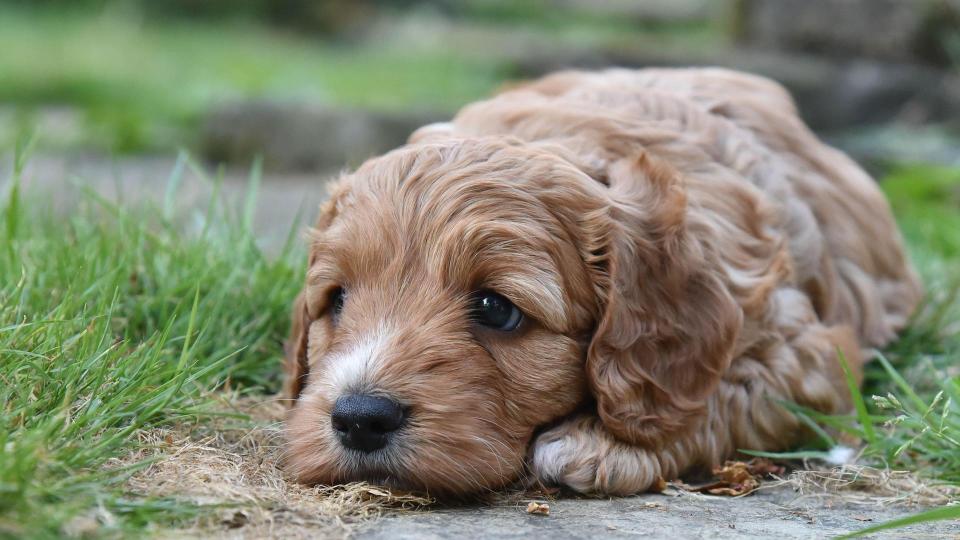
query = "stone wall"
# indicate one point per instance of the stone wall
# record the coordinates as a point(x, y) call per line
point(913, 31)
point(848, 63)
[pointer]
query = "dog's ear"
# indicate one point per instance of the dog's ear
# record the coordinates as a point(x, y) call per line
point(296, 362)
point(668, 325)
point(296, 367)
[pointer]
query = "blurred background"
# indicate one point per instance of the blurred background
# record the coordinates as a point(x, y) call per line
point(312, 86)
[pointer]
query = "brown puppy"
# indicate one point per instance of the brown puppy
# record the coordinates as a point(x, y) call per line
point(595, 280)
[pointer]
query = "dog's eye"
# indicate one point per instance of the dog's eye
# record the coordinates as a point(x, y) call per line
point(337, 297)
point(493, 310)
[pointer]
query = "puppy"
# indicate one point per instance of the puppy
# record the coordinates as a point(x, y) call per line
point(593, 280)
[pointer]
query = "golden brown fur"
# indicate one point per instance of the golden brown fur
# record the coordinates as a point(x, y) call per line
point(686, 254)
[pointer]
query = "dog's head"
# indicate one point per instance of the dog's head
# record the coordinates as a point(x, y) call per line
point(462, 293)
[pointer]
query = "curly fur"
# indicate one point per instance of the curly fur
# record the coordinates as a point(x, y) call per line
point(686, 253)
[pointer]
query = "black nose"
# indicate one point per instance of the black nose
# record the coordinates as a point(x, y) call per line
point(363, 422)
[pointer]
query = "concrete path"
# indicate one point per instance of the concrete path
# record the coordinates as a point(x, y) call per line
point(770, 513)
point(60, 180)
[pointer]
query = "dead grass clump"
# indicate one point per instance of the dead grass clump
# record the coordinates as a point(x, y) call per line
point(235, 469)
point(859, 484)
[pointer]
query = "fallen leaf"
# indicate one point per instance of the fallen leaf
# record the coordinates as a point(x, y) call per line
point(763, 466)
point(733, 472)
point(735, 490)
point(736, 478)
point(542, 509)
point(659, 485)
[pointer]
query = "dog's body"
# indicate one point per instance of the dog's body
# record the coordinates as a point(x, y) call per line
point(682, 251)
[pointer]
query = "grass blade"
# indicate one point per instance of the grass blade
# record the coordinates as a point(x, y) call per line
point(253, 188)
point(866, 422)
point(937, 514)
point(802, 454)
point(173, 186)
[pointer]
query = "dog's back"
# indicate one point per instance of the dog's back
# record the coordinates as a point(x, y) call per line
point(715, 125)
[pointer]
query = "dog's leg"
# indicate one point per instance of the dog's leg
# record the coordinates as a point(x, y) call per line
point(582, 455)
point(799, 365)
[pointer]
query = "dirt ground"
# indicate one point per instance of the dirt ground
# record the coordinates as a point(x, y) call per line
point(239, 466)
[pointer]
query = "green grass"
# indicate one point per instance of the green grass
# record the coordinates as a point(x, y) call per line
point(122, 318)
point(915, 386)
point(914, 408)
point(113, 321)
point(144, 84)
point(140, 82)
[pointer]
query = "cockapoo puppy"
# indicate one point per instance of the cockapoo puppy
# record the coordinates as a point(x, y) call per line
point(592, 280)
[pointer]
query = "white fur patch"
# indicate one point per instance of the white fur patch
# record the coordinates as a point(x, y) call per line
point(793, 310)
point(550, 459)
point(841, 455)
point(359, 365)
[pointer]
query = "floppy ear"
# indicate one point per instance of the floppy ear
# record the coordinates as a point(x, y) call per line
point(296, 364)
point(668, 324)
point(296, 367)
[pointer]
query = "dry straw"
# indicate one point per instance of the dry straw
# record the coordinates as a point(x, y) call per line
point(236, 471)
point(860, 484)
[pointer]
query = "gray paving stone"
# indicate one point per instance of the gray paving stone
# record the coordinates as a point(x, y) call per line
point(773, 513)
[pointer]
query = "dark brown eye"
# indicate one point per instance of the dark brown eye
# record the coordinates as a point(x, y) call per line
point(495, 311)
point(337, 298)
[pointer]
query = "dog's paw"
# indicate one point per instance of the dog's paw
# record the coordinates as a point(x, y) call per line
point(559, 459)
point(581, 455)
